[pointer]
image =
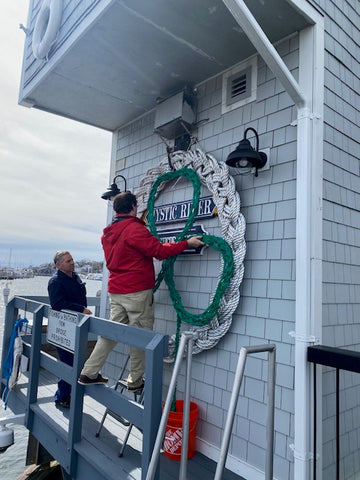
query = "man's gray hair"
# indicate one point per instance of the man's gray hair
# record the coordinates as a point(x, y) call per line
point(58, 255)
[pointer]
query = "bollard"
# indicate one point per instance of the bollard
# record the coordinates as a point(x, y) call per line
point(6, 293)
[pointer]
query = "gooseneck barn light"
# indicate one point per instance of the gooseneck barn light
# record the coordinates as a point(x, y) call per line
point(244, 156)
point(113, 189)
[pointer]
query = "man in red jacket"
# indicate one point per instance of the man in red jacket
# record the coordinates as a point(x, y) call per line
point(129, 250)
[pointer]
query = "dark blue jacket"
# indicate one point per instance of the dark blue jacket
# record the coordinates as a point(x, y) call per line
point(67, 292)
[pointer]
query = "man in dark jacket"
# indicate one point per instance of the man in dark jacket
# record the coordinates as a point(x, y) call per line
point(66, 292)
point(129, 250)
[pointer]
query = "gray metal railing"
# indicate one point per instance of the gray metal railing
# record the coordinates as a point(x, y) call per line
point(187, 338)
point(340, 359)
point(244, 351)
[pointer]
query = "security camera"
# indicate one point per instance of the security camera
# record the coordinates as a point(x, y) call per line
point(7, 434)
point(6, 438)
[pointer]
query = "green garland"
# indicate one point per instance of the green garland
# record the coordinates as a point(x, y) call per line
point(167, 270)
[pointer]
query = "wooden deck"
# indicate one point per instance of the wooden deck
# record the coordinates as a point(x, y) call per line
point(106, 447)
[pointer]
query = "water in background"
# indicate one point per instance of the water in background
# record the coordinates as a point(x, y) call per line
point(12, 462)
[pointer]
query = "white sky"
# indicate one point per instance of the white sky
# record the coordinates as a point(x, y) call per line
point(52, 170)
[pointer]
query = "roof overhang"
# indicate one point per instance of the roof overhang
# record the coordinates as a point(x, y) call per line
point(134, 53)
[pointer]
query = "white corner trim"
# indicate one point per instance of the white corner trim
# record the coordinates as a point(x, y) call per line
point(234, 464)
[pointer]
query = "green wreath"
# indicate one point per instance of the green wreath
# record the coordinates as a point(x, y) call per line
point(167, 270)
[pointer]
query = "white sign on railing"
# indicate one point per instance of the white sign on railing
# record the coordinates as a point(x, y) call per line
point(61, 329)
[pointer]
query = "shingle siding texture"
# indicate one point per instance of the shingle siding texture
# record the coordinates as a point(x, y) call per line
point(341, 227)
point(266, 308)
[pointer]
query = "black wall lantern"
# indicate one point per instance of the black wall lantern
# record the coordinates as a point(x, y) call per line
point(113, 189)
point(244, 156)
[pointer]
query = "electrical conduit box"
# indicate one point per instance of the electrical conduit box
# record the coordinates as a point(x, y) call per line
point(174, 116)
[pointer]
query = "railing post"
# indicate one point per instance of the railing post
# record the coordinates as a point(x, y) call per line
point(154, 355)
point(337, 425)
point(231, 413)
point(97, 307)
point(270, 416)
point(36, 337)
point(244, 351)
point(315, 419)
point(186, 410)
point(339, 359)
point(77, 394)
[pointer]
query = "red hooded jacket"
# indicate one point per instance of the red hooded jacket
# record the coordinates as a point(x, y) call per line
point(129, 250)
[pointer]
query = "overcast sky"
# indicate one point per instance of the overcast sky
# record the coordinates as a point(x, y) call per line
point(52, 170)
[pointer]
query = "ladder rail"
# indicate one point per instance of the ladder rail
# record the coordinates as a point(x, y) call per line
point(107, 411)
point(130, 426)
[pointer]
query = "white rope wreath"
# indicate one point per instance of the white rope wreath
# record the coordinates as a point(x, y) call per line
point(215, 176)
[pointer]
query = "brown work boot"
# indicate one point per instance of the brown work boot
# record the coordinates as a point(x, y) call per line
point(84, 380)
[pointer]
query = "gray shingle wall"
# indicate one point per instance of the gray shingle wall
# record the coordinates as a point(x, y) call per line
point(341, 227)
point(266, 309)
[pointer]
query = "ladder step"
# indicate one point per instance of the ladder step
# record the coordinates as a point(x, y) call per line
point(119, 418)
point(124, 384)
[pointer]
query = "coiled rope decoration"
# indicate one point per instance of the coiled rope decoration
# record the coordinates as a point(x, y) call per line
point(215, 176)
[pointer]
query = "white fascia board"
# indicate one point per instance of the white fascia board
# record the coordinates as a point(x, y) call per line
point(265, 48)
point(308, 9)
point(21, 90)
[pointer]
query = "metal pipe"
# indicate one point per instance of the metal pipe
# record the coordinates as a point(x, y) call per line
point(231, 413)
point(315, 419)
point(160, 435)
point(337, 425)
point(186, 410)
point(270, 417)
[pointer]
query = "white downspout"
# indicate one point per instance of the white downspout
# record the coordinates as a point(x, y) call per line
point(308, 310)
point(309, 224)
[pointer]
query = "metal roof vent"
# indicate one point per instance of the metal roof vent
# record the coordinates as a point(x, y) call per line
point(239, 85)
point(175, 116)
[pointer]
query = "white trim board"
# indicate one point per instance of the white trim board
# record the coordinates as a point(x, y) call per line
point(234, 464)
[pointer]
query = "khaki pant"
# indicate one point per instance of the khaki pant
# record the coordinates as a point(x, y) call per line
point(135, 309)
